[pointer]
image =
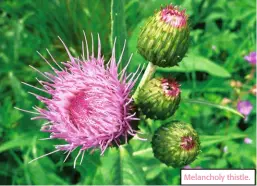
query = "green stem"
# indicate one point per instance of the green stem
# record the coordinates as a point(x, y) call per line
point(150, 70)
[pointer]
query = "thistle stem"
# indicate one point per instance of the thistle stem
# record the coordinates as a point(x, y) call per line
point(150, 70)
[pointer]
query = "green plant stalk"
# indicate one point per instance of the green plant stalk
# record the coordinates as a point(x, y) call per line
point(118, 29)
point(150, 70)
point(207, 141)
point(213, 105)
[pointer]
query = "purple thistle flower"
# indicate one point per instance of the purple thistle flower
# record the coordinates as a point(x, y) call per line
point(248, 140)
point(251, 58)
point(90, 105)
point(244, 107)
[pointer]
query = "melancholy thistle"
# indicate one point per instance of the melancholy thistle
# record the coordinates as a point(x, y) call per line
point(164, 39)
point(90, 105)
point(159, 98)
point(176, 144)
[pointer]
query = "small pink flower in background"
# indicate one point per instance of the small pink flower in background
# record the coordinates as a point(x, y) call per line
point(187, 167)
point(90, 105)
point(248, 141)
point(244, 107)
point(251, 58)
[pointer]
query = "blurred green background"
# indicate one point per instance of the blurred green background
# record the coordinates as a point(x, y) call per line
point(223, 32)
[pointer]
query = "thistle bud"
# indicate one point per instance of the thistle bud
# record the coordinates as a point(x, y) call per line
point(176, 144)
point(159, 98)
point(164, 39)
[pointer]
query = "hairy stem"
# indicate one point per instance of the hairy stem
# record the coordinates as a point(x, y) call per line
point(150, 70)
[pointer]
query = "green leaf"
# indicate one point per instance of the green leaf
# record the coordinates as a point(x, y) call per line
point(88, 168)
point(118, 29)
point(193, 63)
point(151, 166)
point(210, 140)
point(5, 111)
point(23, 140)
point(41, 172)
point(18, 91)
point(121, 168)
point(132, 44)
point(214, 105)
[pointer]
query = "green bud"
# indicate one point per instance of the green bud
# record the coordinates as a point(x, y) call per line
point(159, 98)
point(164, 39)
point(176, 144)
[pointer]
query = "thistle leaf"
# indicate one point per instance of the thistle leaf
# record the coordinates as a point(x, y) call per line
point(121, 168)
point(229, 109)
point(118, 29)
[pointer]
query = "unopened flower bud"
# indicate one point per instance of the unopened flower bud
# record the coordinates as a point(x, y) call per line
point(159, 98)
point(164, 39)
point(176, 144)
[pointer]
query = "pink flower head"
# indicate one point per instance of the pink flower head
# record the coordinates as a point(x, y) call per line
point(248, 140)
point(251, 58)
point(174, 17)
point(244, 107)
point(90, 105)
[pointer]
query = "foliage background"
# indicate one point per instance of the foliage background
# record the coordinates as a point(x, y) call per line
point(223, 32)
